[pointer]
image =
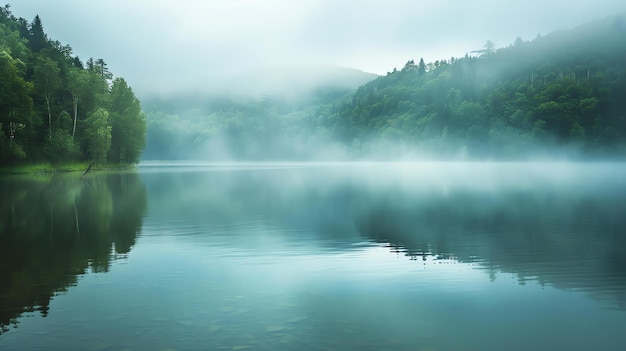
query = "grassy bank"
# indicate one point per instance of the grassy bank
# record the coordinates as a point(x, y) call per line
point(48, 168)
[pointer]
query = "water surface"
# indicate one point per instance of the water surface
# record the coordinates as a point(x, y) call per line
point(327, 256)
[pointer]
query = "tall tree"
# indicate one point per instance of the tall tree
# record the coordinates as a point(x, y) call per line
point(37, 37)
point(421, 66)
point(128, 135)
point(47, 81)
point(98, 135)
point(78, 80)
point(100, 67)
point(15, 107)
point(489, 47)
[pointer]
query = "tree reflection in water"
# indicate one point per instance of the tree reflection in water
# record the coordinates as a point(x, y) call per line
point(574, 240)
point(56, 228)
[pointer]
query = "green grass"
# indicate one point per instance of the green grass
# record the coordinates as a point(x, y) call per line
point(48, 168)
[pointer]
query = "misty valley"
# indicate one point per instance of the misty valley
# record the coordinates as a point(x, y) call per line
point(316, 256)
point(272, 202)
point(558, 96)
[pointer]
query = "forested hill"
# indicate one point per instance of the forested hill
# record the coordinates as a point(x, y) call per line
point(278, 113)
point(564, 91)
point(56, 108)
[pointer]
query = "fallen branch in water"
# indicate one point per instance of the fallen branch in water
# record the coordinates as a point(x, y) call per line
point(88, 168)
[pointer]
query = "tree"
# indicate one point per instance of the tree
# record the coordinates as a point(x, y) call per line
point(128, 136)
point(15, 107)
point(98, 135)
point(47, 81)
point(409, 66)
point(421, 67)
point(61, 147)
point(489, 47)
point(78, 81)
point(37, 39)
point(98, 83)
point(95, 94)
point(41, 77)
point(12, 43)
point(100, 68)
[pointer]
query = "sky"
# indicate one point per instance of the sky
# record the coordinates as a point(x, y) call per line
point(162, 46)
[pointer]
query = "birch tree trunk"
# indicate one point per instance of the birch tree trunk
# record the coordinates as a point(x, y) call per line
point(75, 101)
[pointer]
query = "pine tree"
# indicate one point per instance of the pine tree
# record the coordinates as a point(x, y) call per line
point(37, 37)
point(421, 67)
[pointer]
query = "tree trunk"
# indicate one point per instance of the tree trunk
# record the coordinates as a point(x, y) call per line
point(49, 115)
point(75, 101)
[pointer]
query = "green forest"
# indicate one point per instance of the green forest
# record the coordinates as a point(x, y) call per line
point(56, 108)
point(561, 94)
point(285, 123)
point(565, 91)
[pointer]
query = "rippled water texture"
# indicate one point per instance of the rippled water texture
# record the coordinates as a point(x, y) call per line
point(303, 256)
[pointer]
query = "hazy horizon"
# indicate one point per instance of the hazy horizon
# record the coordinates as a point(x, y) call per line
point(161, 47)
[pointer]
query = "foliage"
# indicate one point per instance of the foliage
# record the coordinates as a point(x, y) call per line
point(560, 92)
point(98, 135)
point(269, 127)
point(128, 125)
point(47, 95)
point(563, 91)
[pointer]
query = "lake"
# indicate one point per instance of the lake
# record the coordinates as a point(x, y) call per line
point(316, 256)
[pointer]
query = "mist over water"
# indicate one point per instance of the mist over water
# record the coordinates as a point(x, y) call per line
point(319, 256)
point(468, 195)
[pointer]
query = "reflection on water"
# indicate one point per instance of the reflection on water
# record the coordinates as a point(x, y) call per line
point(557, 224)
point(570, 236)
point(56, 228)
point(322, 257)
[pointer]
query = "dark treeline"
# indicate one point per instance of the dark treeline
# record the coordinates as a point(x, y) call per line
point(54, 107)
point(560, 92)
point(565, 90)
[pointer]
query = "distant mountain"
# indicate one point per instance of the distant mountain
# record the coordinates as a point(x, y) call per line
point(272, 113)
point(564, 91)
point(293, 84)
point(294, 81)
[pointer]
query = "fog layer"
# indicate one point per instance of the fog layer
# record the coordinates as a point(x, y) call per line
point(165, 46)
point(556, 96)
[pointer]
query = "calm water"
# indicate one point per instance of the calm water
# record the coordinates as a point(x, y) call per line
point(430, 256)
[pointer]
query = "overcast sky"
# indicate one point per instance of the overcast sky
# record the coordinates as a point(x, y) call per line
point(164, 45)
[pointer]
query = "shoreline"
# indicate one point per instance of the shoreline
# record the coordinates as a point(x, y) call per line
point(47, 168)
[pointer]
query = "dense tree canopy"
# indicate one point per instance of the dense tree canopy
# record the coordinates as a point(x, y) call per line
point(52, 107)
point(562, 92)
